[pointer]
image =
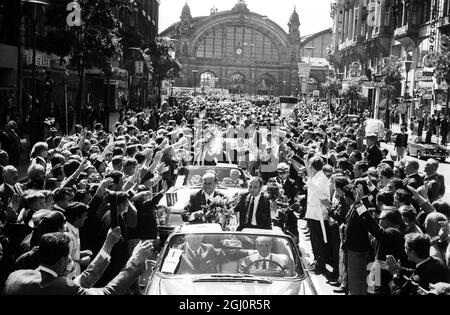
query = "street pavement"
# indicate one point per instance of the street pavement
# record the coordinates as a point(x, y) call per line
point(319, 281)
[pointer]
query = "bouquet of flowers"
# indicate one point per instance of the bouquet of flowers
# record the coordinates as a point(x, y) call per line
point(219, 211)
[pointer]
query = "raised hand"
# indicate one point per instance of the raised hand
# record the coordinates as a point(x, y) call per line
point(114, 235)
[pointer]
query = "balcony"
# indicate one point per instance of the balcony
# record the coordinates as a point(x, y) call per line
point(408, 36)
point(346, 45)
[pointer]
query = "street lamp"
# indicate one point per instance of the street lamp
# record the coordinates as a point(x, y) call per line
point(35, 114)
point(194, 72)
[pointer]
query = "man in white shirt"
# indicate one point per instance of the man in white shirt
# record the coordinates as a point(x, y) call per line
point(317, 214)
point(76, 215)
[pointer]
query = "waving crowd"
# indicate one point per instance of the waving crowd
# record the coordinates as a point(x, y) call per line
point(85, 218)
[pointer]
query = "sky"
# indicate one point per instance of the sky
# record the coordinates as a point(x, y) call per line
point(314, 14)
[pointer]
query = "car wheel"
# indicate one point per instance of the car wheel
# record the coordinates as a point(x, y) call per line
point(419, 155)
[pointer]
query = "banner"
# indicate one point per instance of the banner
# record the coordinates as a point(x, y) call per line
point(288, 105)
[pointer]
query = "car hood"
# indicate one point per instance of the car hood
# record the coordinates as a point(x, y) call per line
point(187, 286)
point(183, 195)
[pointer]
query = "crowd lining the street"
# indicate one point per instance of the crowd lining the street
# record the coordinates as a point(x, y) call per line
point(86, 217)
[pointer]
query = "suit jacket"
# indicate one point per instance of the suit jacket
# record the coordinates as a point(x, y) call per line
point(196, 201)
point(6, 193)
point(401, 141)
point(415, 181)
point(205, 263)
point(436, 184)
point(38, 282)
point(263, 217)
point(290, 189)
point(374, 156)
point(432, 271)
point(356, 237)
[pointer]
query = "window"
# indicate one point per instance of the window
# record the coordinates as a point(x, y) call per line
point(224, 42)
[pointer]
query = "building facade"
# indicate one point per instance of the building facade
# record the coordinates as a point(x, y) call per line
point(367, 30)
point(241, 51)
point(57, 78)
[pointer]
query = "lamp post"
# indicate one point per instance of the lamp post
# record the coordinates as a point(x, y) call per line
point(35, 113)
point(194, 72)
point(284, 87)
point(408, 64)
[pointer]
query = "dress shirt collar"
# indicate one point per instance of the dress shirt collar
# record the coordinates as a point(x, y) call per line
point(268, 257)
point(47, 270)
point(72, 229)
point(421, 263)
point(208, 197)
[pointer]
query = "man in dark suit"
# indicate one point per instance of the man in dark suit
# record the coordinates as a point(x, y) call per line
point(50, 278)
point(413, 178)
point(290, 190)
point(428, 270)
point(11, 142)
point(435, 181)
point(193, 212)
point(254, 208)
point(401, 143)
point(10, 185)
point(199, 258)
point(373, 154)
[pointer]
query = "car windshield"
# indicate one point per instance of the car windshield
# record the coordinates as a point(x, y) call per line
point(239, 255)
point(227, 177)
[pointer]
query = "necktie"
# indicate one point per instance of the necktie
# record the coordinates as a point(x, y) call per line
point(264, 265)
point(250, 211)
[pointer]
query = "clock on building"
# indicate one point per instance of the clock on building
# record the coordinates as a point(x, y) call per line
point(239, 51)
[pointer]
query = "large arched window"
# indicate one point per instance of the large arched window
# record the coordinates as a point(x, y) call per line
point(236, 42)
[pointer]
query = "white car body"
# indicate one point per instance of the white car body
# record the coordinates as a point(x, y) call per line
point(227, 283)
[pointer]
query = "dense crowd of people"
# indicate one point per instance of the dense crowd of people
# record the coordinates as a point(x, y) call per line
point(86, 218)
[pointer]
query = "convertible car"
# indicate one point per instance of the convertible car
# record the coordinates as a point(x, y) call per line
point(231, 181)
point(423, 150)
point(204, 260)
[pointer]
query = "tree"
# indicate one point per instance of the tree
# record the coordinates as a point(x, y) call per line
point(96, 43)
point(331, 88)
point(390, 68)
point(160, 59)
point(351, 92)
point(442, 64)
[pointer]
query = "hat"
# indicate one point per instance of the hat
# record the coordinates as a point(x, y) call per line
point(372, 135)
point(283, 167)
point(37, 217)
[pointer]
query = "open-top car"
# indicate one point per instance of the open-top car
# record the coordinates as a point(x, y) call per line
point(423, 150)
point(204, 260)
point(231, 181)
